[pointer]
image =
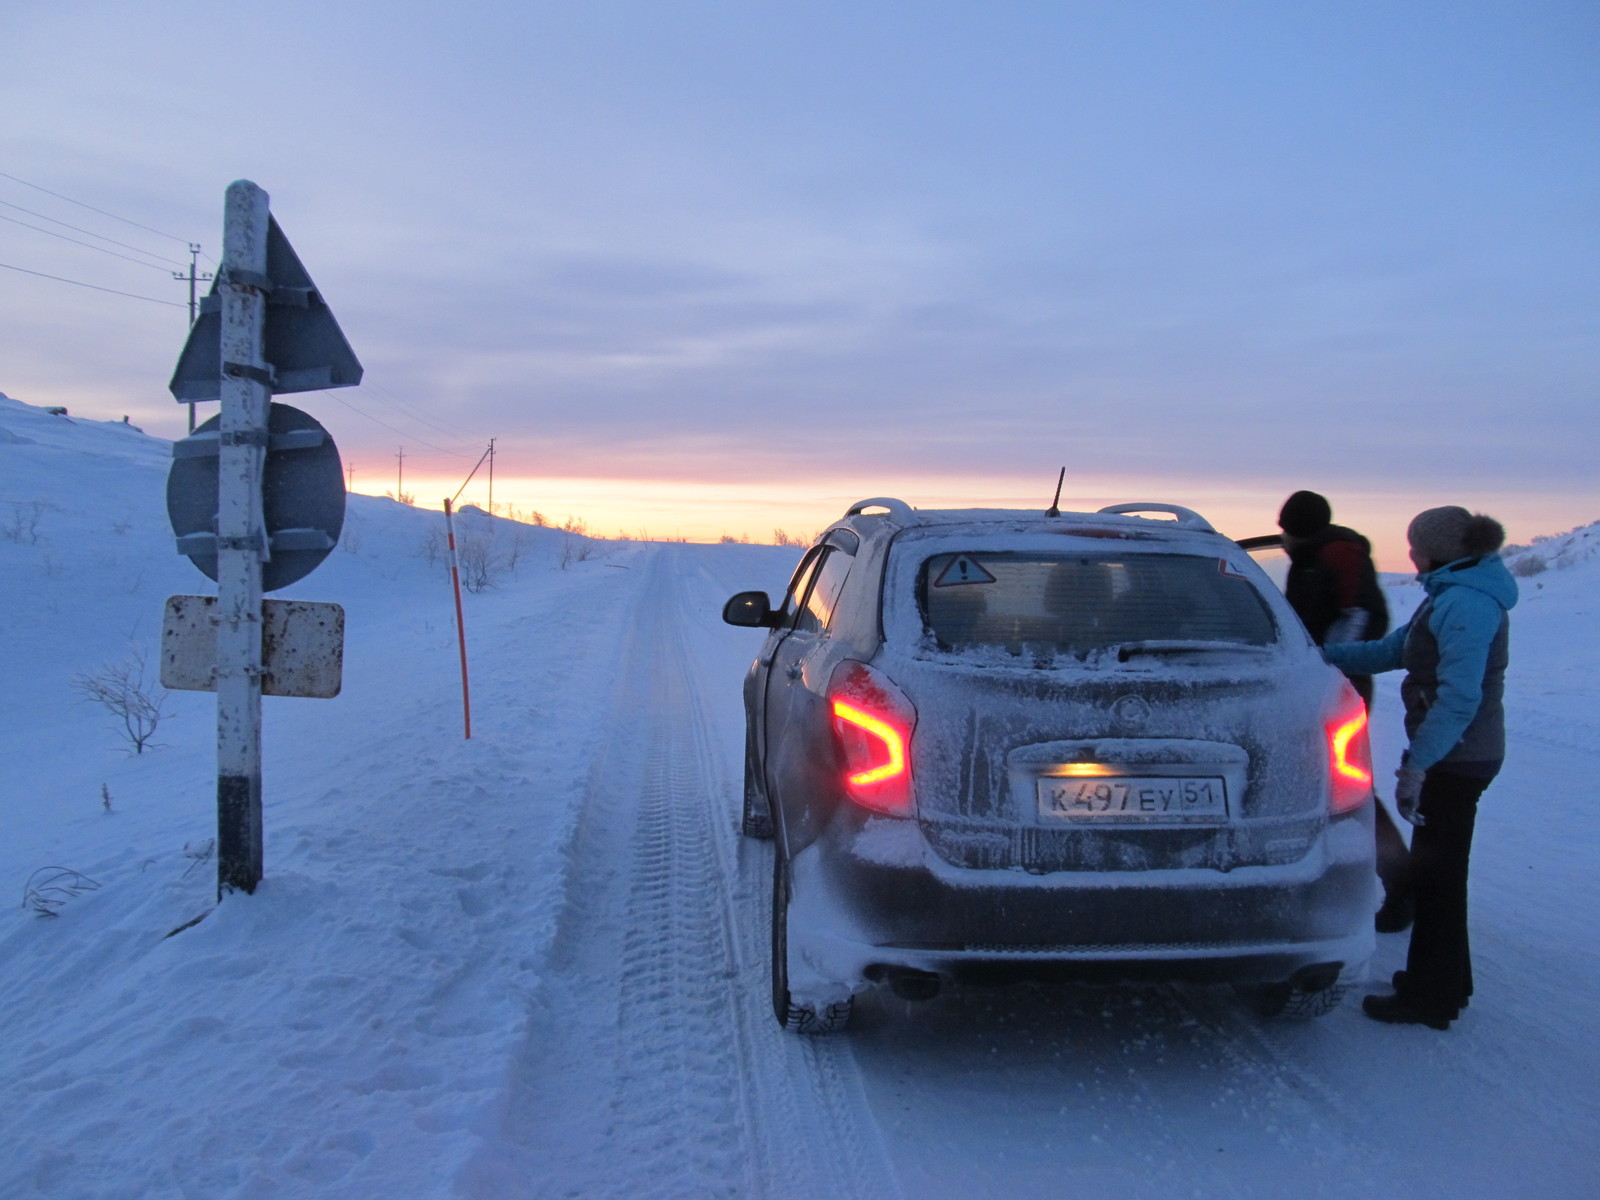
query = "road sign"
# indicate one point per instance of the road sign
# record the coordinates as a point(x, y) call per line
point(302, 495)
point(303, 346)
point(302, 647)
point(256, 496)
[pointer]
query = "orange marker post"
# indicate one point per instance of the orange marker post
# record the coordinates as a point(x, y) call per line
point(461, 629)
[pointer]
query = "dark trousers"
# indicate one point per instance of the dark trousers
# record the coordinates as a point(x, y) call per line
point(1393, 857)
point(1394, 860)
point(1439, 962)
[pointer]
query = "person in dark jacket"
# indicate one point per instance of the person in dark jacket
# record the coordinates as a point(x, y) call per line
point(1454, 651)
point(1333, 586)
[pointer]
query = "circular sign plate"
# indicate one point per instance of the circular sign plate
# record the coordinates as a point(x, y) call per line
point(301, 489)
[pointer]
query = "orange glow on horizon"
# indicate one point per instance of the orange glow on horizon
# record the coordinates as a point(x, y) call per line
point(756, 510)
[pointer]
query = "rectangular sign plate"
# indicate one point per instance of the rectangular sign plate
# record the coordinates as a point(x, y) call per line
point(1153, 799)
point(302, 647)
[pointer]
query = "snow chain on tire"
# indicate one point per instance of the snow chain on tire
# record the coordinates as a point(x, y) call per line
point(833, 1019)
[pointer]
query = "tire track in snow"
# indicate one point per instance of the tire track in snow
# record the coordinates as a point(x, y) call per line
point(650, 1066)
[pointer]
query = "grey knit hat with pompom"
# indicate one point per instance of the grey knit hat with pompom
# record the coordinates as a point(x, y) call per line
point(1446, 534)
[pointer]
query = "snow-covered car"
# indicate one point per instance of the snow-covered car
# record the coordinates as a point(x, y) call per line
point(995, 744)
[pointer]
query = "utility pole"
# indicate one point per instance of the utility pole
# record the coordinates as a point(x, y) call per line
point(193, 278)
point(491, 477)
point(350, 477)
point(400, 475)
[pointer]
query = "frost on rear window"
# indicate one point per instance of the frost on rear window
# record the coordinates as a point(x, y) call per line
point(993, 607)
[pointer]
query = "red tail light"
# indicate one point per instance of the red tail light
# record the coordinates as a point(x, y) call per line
point(1349, 754)
point(872, 724)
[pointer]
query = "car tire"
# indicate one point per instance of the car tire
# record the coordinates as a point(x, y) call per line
point(757, 818)
point(797, 1018)
point(1285, 1002)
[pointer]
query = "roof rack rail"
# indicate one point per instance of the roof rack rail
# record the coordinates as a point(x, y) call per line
point(1187, 517)
point(898, 509)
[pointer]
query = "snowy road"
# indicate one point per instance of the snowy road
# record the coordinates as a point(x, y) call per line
point(652, 1066)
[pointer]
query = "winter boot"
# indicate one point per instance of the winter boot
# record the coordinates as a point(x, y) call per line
point(1399, 982)
point(1395, 1010)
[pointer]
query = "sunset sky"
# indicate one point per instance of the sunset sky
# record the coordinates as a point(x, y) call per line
point(712, 267)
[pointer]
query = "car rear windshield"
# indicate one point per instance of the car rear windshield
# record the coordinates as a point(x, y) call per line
point(1078, 604)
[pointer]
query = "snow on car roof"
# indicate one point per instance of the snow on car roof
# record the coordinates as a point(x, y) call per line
point(992, 521)
point(1119, 516)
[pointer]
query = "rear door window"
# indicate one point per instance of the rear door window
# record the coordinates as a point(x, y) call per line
point(818, 610)
point(803, 574)
point(1077, 604)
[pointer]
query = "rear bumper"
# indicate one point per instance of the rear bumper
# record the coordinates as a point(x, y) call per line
point(871, 897)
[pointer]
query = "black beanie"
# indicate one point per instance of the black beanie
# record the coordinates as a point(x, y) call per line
point(1304, 514)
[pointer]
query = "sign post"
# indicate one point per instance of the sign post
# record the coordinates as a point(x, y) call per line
point(241, 537)
point(267, 513)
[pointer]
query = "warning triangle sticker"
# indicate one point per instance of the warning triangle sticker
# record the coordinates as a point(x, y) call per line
point(963, 569)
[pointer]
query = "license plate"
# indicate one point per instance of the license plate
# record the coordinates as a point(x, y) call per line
point(1133, 798)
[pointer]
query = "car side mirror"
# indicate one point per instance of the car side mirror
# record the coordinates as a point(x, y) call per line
point(750, 609)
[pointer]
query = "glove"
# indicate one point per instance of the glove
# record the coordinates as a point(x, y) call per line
point(1350, 625)
point(1408, 793)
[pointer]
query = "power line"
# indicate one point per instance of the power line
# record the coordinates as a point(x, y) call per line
point(87, 245)
point(391, 428)
point(408, 410)
point(93, 209)
point(87, 232)
point(113, 291)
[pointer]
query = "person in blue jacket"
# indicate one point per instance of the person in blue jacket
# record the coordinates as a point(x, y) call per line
point(1454, 651)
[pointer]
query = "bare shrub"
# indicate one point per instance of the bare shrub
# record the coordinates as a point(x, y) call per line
point(482, 564)
point(126, 691)
point(576, 548)
point(1528, 565)
point(49, 888)
point(199, 852)
point(432, 547)
point(531, 516)
point(352, 535)
point(512, 545)
point(23, 523)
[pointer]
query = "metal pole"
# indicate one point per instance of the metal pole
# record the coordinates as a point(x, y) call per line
point(241, 537)
point(193, 277)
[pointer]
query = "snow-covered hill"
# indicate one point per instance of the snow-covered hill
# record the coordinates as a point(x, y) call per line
point(533, 963)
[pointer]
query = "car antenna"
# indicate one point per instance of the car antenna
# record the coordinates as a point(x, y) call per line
point(1055, 505)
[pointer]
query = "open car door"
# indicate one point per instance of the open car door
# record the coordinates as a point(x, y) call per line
point(1267, 549)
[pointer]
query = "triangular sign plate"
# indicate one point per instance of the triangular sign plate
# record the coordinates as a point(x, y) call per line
point(302, 342)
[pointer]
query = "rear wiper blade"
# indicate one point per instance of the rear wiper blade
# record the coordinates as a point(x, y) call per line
point(1127, 650)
